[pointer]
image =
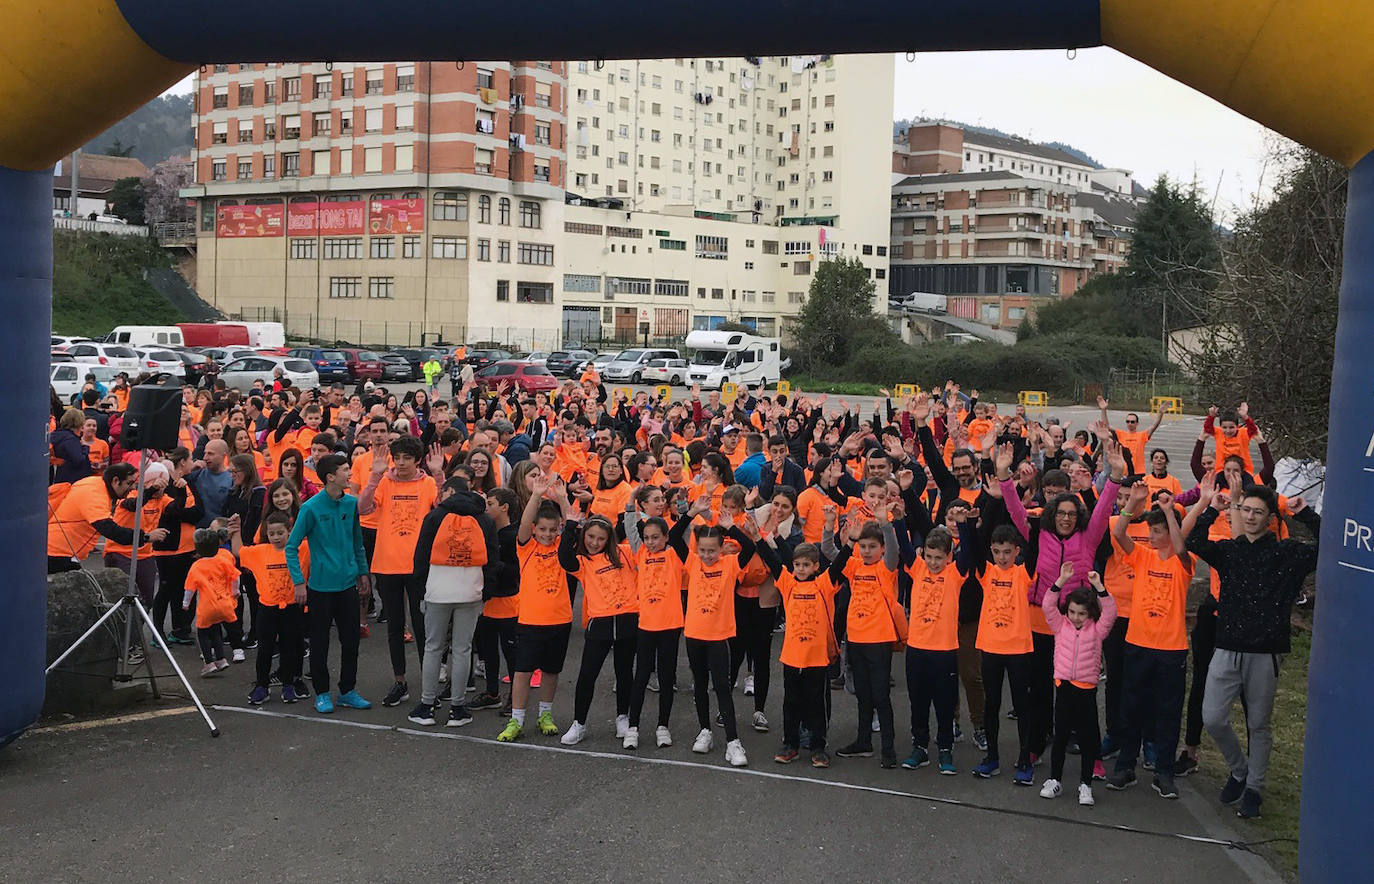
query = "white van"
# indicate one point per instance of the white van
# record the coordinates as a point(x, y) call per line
point(145, 336)
point(262, 335)
point(733, 358)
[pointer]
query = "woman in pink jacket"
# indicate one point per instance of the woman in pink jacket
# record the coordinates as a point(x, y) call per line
point(1078, 635)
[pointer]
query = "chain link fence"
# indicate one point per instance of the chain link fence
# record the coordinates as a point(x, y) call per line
point(1135, 387)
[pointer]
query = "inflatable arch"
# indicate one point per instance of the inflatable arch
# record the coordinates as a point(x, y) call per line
point(70, 68)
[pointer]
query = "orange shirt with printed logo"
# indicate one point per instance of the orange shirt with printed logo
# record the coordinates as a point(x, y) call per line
point(69, 525)
point(809, 636)
point(401, 507)
point(710, 598)
point(544, 598)
point(869, 620)
point(934, 623)
point(268, 567)
point(212, 581)
point(658, 581)
point(359, 476)
point(1004, 625)
point(1161, 599)
point(606, 589)
point(1119, 576)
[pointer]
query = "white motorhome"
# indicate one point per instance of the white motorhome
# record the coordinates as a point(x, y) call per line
point(145, 336)
point(733, 358)
point(262, 335)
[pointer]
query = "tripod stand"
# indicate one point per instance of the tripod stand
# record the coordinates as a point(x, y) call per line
point(129, 604)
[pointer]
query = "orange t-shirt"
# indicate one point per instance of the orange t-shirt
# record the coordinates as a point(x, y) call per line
point(811, 505)
point(569, 459)
point(809, 637)
point(1161, 600)
point(606, 589)
point(1134, 441)
point(1119, 578)
point(544, 597)
point(710, 598)
point(871, 587)
point(737, 456)
point(69, 526)
point(977, 429)
point(1169, 483)
point(696, 491)
point(360, 474)
point(934, 624)
point(502, 607)
point(212, 581)
point(1004, 625)
point(268, 566)
point(1238, 445)
point(658, 579)
point(152, 514)
point(401, 506)
point(661, 479)
point(98, 453)
point(610, 502)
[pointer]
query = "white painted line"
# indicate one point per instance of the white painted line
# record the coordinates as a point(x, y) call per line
point(737, 771)
point(1355, 567)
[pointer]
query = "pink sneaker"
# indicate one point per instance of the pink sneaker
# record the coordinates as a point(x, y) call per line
point(208, 670)
point(221, 664)
point(1099, 771)
point(536, 679)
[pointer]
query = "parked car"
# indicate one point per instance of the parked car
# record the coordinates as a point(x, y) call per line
point(479, 359)
point(159, 360)
point(117, 356)
point(666, 371)
point(241, 373)
point(226, 355)
point(567, 362)
point(330, 364)
point(363, 365)
point(199, 367)
point(395, 367)
point(62, 342)
point(597, 363)
point(418, 356)
point(67, 378)
point(528, 377)
point(540, 356)
point(629, 364)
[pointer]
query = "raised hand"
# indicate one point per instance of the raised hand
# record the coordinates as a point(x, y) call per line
point(1102, 403)
point(905, 478)
point(1139, 498)
point(1243, 410)
point(1004, 456)
point(1095, 579)
point(435, 461)
point(1066, 572)
point(831, 515)
point(1115, 459)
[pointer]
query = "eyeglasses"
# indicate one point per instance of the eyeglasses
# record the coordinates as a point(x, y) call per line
point(1253, 510)
point(1132, 422)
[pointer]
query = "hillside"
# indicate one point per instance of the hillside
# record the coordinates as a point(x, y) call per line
point(100, 281)
point(899, 126)
point(156, 131)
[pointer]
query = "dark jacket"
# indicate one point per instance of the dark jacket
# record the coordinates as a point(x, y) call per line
point(495, 582)
point(1260, 581)
point(792, 475)
point(517, 450)
point(76, 460)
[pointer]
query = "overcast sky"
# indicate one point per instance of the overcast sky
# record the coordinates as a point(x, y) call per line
point(1116, 109)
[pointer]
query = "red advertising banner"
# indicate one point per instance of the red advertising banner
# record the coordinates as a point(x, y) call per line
point(302, 219)
point(342, 219)
point(397, 216)
point(232, 222)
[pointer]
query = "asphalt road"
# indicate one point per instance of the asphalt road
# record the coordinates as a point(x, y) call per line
point(287, 795)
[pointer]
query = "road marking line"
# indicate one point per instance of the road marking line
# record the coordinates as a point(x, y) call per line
point(737, 771)
point(90, 723)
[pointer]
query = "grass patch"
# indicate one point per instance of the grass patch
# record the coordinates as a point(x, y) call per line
point(99, 282)
point(809, 384)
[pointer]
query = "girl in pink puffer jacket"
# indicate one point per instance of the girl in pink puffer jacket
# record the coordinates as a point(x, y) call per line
point(1079, 629)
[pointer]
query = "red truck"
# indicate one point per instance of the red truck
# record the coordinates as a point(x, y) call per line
point(213, 334)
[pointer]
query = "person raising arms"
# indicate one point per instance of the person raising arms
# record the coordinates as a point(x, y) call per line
point(1133, 439)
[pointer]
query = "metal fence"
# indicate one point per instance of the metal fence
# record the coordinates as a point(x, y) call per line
point(1136, 387)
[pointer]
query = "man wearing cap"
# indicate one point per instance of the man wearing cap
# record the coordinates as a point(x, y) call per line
point(730, 447)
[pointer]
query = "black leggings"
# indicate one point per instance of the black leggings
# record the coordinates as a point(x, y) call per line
point(605, 635)
point(1041, 712)
point(248, 598)
point(1204, 645)
point(805, 698)
point(1016, 668)
point(753, 639)
point(211, 642)
point(281, 630)
point(396, 591)
point(340, 611)
point(1075, 712)
point(172, 571)
point(494, 638)
point(711, 660)
point(871, 664)
point(655, 649)
point(1113, 652)
point(932, 678)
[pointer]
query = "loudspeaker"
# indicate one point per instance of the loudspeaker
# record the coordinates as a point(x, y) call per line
point(153, 418)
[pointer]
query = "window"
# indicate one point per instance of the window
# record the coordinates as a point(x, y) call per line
point(770, 247)
point(246, 96)
point(372, 120)
point(405, 157)
point(485, 80)
point(269, 93)
point(534, 292)
point(345, 122)
point(374, 81)
point(867, 249)
point(630, 286)
point(578, 282)
point(218, 170)
point(578, 227)
point(541, 170)
point(269, 129)
point(674, 287)
point(529, 214)
point(450, 247)
point(320, 124)
point(717, 294)
point(796, 248)
point(713, 247)
point(543, 94)
point(381, 287)
point(481, 161)
point(801, 268)
point(245, 170)
point(291, 126)
point(450, 206)
point(483, 250)
point(502, 290)
point(383, 246)
point(302, 248)
point(269, 166)
point(343, 247)
point(674, 245)
point(220, 99)
point(411, 248)
point(534, 253)
point(405, 117)
point(291, 88)
point(405, 78)
point(880, 273)
point(882, 251)
point(219, 133)
point(796, 297)
point(503, 251)
point(323, 86)
point(345, 161)
point(346, 86)
point(372, 159)
point(345, 286)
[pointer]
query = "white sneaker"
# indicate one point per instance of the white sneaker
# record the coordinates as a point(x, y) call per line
point(876, 726)
point(1085, 795)
point(663, 737)
point(576, 733)
point(734, 753)
point(622, 726)
point(1051, 789)
point(704, 742)
point(239, 656)
point(631, 738)
point(760, 723)
point(749, 686)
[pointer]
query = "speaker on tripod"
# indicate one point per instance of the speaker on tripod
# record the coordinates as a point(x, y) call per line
point(153, 418)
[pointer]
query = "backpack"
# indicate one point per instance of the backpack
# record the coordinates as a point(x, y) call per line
point(459, 543)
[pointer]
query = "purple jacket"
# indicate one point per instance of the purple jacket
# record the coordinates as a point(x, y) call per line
point(1078, 652)
point(1079, 547)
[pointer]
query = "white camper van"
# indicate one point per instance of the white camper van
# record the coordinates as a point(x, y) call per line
point(262, 335)
point(733, 358)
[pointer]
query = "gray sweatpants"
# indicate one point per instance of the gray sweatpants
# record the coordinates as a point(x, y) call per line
point(461, 617)
point(1232, 675)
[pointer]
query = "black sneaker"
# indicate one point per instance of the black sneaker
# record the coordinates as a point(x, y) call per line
point(1232, 791)
point(423, 713)
point(1185, 765)
point(837, 683)
point(855, 750)
point(1120, 779)
point(250, 644)
point(398, 694)
point(889, 760)
point(1164, 785)
point(1250, 805)
point(484, 700)
point(302, 689)
point(458, 715)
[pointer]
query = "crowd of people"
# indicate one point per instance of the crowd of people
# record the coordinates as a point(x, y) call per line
point(995, 555)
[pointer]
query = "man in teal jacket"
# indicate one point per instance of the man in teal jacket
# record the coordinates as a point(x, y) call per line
point(328, 523)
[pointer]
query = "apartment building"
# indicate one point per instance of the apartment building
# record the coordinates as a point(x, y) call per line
point(373, 202)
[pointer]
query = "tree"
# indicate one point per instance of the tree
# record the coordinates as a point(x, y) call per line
point(161, 192)
point(1174, 256)
point(1272, 318)
point(117, 148)
point(838, 309)
point(1101, 306)
point(126, 199)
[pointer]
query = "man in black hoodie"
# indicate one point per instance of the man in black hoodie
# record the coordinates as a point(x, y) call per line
point(457, 560)
point(1261, 577)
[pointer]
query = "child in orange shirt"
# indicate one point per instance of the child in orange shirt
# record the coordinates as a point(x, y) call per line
point(213, 583)
point(283, 614)
point(658, 581)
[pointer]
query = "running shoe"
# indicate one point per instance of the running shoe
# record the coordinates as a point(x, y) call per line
point(288, 694)
point(663, 737)
point(1121, 779)
point(324, 703)
point(1250, 805)
point(947, 763)
point(987, 768)
point(398, 694)
point(423, 714)
point(760, 723)
point(546, 724)
point(856, 750)
point(980, 739)
point(577, 732)
point(702, 744)
point(458, 715)
point(1052, 788)
point(221, 664)
point(511, 732)
point(1085, 795)
point(1164, 785)
point(302, 689)
point(749, 686)
point(208, 669)
point(1232, 791)
point(239, 656)
point(622, 726)
point(631, 738)
point(820, 758)
point(484, 700)
point(734, 754)
point(354, 700)
point(1024, 775)
point(786, 755)
point(259, 696)
point(918, 758)
point(1185, 765)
